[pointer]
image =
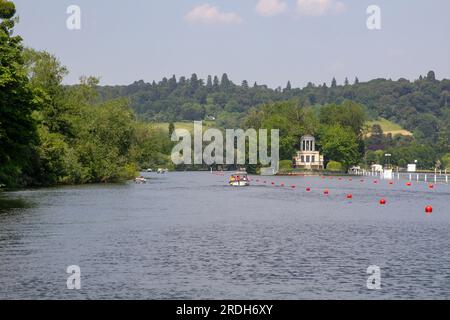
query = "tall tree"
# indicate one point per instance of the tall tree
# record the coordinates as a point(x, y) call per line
point(209, 83)
point(333, 83)
point(17, 127)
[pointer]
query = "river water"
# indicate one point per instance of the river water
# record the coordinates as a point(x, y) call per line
point(190, 236)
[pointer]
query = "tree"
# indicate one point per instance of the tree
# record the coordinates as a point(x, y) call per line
point(244, 84)
point(356, 80)
point(209, 83)
point(288, 86)
point(346, 82)
point(171, 128)
point(339, 144)
point(225, 82)
point(17, 103)
point(431, 76)
point(333, 83)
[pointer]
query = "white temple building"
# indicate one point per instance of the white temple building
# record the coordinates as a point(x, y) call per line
point(308, 157)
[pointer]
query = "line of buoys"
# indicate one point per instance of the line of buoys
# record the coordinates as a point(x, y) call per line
point(428, 209)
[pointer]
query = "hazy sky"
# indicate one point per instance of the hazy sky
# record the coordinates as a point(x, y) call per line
point(268, 41)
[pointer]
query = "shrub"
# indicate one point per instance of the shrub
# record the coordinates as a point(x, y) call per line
point(335, 166)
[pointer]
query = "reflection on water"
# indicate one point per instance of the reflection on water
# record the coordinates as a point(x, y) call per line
point(6, 203)
point(189, 235)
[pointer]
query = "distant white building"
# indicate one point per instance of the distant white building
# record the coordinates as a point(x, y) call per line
point(412, 167)
point(308, 157)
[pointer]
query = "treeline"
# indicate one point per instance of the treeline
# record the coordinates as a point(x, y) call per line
point(421, 106)
point(53, 134)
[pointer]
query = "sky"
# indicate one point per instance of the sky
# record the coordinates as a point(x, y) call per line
point(267, 41)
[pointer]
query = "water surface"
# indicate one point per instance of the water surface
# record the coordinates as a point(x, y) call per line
point(190, 236)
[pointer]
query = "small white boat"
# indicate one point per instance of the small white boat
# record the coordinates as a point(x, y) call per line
point(239, 179)
point(140, 180)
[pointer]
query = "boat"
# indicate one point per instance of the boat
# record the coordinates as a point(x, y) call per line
point(239, 179)
point(140, 180)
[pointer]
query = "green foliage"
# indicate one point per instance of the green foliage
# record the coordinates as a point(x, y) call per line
point(335, 166)
point(339, 144)
point(285, 165)
point(17, 127)
point(446, 161)
point(7, 9)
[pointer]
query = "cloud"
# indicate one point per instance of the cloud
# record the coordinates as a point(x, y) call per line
point(209, 14)
point(270, 7)
point(319, 7)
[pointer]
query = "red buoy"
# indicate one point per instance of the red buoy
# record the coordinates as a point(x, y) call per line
point(349, 196)
point(350, 179)
point(428, 209)
point(408, 184)
point(375, 181)
point(273, 183)
point(282, 184)
point(326, 192)
point(431, 186)
point(391, 182)
point(362, 180)
point(308, 189)
point(383, 201)
point(293, 187)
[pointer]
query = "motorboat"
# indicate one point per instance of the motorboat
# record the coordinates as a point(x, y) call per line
point(239, 179)
point(140, 180)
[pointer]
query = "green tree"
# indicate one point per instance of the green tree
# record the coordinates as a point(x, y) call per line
point(339, 144)
point(17, 102)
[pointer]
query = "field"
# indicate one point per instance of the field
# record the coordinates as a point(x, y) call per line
point(388, 127)
point(188, 125)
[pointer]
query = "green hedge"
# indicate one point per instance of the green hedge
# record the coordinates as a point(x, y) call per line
point(335, 166)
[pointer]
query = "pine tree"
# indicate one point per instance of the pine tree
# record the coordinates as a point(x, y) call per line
point(346, 81)
point(333, 83)
point(244, 84)
point(288, 86)
point(216, 82)
point(224, 82)
point(356, 80)
point(209, 83)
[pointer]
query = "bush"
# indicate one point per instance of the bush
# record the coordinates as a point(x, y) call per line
point(335, 166)
point(446, 161)
point(285, 165)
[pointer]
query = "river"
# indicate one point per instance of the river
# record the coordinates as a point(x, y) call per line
point(191, 236)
